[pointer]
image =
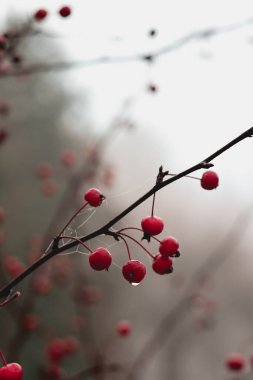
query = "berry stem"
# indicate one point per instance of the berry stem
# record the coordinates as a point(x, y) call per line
point(73, 217)
point(188, 176)
point(153, 205)
point(3, 359)
point(137, 242)
point(127, 246)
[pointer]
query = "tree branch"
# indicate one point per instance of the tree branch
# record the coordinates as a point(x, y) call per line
point(55, 249)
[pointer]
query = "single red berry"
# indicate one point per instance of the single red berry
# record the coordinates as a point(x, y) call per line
point(152, 88)
point(13, 266)
point(40, 14)
point(168, 246)
point(44, 170)
point(162, 265)
point(235, 362)
point(56, 350)
point(49, 187)
point(42, 285)
point(30, 322)
point(89, 295)
point(100, 259)
point(72, 345)
point(65, 11)
point(153, 225)
point(134, 271)
point(11, 371)
point(124, 328)
point(68, 158)
point(94, 197)
point(209, 180)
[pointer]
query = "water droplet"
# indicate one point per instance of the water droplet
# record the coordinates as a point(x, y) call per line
point(134, 283)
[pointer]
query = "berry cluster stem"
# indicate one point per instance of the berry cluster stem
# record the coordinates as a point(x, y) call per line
point(3, 359)
point(137, 242)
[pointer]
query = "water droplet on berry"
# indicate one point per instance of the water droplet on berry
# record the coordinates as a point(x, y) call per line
point(135, 283)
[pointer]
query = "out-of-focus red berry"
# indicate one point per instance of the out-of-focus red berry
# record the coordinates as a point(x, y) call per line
point(40, 14)
point(124, 328)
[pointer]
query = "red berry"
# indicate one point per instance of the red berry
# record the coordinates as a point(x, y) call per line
point(100, 259)
point(40, 14)
point(44, 170)
point(153, 225)
point(209, 180)
point(42, 285)
point(124, 328)
point(11, 371)
point(152, 88)
point(235, 362)
point(56, 350)
point(65, 11)
point(72, 345)
point(89, 295)
point(162, 265)
point(30, 322)
point(68, 158)
point(49, 187)
point(168, 246)
point(134, 271)
point(13, 266)
point(94, 197)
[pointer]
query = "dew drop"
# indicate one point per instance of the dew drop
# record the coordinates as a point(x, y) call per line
point(134, 283)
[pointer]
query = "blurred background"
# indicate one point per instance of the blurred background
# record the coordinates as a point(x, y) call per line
point(102, 98)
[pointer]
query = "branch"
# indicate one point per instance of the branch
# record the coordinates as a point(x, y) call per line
point(105, 230)
point(149, 56)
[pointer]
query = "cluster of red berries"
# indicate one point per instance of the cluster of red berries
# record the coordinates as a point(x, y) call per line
point(56, 351)
point(134, 271)
point(41, 14)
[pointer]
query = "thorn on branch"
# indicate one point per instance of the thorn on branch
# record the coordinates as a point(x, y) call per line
point(113, 234)
point(10, 298)
point(206, 165)
point(161, 175)
point(56, 242)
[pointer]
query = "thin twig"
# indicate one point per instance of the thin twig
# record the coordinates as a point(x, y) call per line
point(149, 56)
